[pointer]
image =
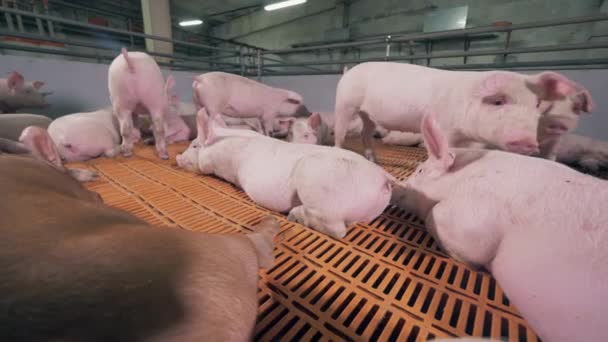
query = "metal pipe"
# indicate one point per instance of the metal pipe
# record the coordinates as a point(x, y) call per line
point(95, 46)
point(88, 55)
point(113, 30)
point(259, 64)
point(549, 48)
point(449, 34)
point(554, 65)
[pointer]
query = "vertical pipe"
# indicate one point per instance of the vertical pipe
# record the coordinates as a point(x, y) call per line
point(467, 45)
point(259, 64)
point(48, 22)
point(241, 61)
point(7, 16)
point(130, 29)
point(388, 47)
point(507, 44)
point(410, 45)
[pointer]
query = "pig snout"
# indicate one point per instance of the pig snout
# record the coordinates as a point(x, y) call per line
point(520, 142)
point(556, 128)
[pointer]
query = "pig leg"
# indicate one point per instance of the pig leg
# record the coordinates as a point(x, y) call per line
point(158, 125)
point(367, 136)
point(112, 152)
point(344, 115)
point(267, 125)
point(125, 121)
point(313, 219)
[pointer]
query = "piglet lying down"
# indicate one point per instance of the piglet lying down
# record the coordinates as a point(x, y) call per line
point(321, 187)
point(539, 227)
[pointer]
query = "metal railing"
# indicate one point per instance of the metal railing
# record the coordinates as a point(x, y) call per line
point(251, 61)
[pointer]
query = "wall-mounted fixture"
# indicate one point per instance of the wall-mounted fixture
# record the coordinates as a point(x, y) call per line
point(190, 22)
point(282, 4)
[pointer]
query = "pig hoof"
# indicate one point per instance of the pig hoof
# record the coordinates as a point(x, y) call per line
point(163, 156)
point(369, 155)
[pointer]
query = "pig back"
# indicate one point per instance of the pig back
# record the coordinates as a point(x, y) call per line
point(11, 125)
point(74, 269)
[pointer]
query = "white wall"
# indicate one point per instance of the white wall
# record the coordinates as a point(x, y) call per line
point(80, 86)
point(76, 86)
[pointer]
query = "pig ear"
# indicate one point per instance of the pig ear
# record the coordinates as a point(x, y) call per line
point(204, 127)
point(582, 101)
point(436, 142)
point(169, 84)
point(38, 84)
point(293, 97)
point(551, 86)
point(314, 121)
point(15, 81)
point(39, 142)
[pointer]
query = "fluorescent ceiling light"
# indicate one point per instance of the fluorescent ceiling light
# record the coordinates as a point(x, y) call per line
point(283, 4)
point(193, 22)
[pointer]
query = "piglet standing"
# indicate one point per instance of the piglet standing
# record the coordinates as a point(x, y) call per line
point(15, 93)
point(74, 269)
point(494, 109)
point(83, 136)
point(237, 96)
point(321, 187)
point(135, 79)
point(539, 227)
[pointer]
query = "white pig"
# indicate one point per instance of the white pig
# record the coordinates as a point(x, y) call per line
point(311, 130)
point(321, 187)
point(317, 130)
point(15, 93)
point(493, 109)
point(402, 138)
point(589, 153)
point(83, 136)
point(237, 96)
point(135, 79)
point(539, 227)
point(177, 128)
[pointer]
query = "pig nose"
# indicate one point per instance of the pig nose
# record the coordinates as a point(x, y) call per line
point(523, 146)
point(556, 129)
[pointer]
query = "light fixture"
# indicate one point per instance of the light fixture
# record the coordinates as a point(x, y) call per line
point(191, 22)
point(283, 4)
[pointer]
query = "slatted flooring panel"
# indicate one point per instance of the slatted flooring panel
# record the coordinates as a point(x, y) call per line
point(387, 280)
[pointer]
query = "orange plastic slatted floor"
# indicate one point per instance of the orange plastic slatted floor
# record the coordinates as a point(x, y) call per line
point(385, 281)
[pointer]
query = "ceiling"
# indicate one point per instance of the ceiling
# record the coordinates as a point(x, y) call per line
point(214, 11)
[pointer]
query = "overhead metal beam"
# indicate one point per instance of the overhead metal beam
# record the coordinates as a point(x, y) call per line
point(447, 34)
point(113, 30)
point(436, 55)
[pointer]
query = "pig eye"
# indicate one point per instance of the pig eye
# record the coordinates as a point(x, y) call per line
point(497, 100)
point(420, 171)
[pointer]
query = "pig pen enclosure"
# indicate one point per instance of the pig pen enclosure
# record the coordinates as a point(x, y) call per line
point(387, 280)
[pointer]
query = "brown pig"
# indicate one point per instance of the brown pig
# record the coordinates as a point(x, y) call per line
point(74, 269)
